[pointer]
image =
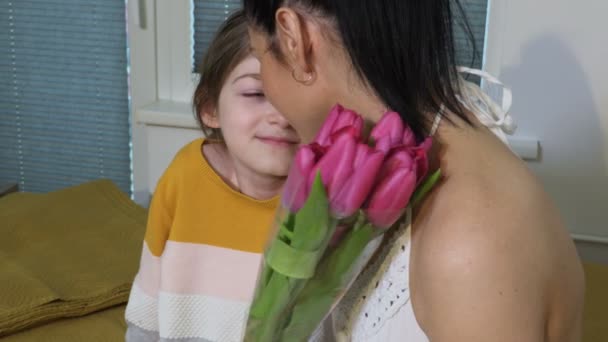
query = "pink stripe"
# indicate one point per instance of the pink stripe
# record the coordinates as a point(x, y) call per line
point(148, 277)
point(208, 270)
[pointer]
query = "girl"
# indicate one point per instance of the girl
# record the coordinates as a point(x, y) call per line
point(486, 256)
point(212, 208)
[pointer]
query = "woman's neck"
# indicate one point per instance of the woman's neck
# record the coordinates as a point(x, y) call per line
point(240, 177)
point(362, 100)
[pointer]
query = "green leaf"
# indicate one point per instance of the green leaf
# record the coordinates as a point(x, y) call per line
point(331, 277)
point(292, 262)
point(267, 309)
point(275, 290)
point(293, 254)
point(312, 222)
point(289, 221)
point(426, 186)
point(285, 234)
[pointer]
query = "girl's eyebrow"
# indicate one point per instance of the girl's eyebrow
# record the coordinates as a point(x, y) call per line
point(255, 76)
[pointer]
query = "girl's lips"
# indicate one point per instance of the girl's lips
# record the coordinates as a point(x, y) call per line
point(278, 141)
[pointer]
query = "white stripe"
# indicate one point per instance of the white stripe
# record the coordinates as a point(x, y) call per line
point(200, 316)
point(142, 310)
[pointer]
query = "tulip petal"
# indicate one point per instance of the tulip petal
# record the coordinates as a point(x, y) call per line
point(358, 125)
point(357, 189)
point(420, 154)
point(383, 144)
point(324, 134)
point(346, 119)
point(295, 190)
point(398, 158)
point(391, 126)
point(391, 197)
point(363, 151)
point(350, 130)
point(336, 165)
point(409, 138)
point(426, 144)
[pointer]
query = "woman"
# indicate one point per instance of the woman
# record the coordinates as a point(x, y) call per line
point(486, 257)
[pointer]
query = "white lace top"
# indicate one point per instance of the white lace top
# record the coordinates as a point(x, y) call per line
point(377, 307)
point(380, 297)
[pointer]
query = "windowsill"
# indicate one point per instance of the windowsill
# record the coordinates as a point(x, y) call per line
point(167, 113)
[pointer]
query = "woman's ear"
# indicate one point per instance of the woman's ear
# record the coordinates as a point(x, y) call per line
point(209, 117)
point(295, 39)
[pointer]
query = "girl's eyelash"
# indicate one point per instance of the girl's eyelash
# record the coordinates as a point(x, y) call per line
point(256, 94)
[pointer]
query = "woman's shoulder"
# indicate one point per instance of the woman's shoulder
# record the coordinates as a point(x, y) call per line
point(487, 192)
point(490, 242)
point(481, 218)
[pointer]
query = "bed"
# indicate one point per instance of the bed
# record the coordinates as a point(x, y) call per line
point(67, 262)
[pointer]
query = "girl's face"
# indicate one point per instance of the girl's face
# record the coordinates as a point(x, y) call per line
point(305, 105)
point(257, 136)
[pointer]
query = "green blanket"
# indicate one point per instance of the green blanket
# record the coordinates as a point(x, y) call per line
point(66, 253)
point(104, 326)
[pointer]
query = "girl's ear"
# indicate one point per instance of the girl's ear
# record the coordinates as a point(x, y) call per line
point(209, 117)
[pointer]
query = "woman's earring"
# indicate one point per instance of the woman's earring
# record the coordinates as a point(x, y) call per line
point(307, 80)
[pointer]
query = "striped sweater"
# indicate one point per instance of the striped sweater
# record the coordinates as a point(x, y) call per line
point(202, 251)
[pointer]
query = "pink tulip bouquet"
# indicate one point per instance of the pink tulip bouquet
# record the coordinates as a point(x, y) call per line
point(344, 190)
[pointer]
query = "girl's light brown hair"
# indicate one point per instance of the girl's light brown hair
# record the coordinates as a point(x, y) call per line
point(229, 47)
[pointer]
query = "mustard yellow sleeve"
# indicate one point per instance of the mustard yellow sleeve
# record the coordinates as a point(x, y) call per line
point(161, 213)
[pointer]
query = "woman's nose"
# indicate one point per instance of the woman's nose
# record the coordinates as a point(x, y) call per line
point(276, 118)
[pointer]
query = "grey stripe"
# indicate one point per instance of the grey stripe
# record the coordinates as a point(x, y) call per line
point(192, 339)
point(137, 334)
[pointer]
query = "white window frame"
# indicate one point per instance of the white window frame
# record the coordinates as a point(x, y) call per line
point(495, 32)
point(160, 99)
point(172, 27)
point(174, 50)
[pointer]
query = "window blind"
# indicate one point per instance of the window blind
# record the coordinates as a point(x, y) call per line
point(208, 16)
point(64, 103)
point(476, 14)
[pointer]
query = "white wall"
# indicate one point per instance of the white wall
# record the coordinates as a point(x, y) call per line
point(163, 144)
point(554, 56)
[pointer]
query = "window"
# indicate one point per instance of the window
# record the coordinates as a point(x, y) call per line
point(208, 16)
point(163, 55)
point(476, 13)
point(185, 27)
point(64, 105)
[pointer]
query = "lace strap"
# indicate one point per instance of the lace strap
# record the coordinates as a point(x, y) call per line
point(437, 121)
point(380, 290)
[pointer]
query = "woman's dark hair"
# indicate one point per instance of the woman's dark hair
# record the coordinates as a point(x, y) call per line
point(229, 47)
point(403, 49)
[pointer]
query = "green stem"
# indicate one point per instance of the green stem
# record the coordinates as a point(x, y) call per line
point(284, 232)
point(269, 306)
point(268, 313)
point(320, 292)
point(425, 187)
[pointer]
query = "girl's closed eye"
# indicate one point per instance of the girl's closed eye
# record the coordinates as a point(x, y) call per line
point(254, 94)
